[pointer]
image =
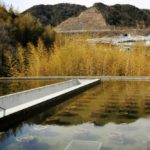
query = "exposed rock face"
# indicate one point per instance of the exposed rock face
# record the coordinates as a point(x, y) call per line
point(90, 19)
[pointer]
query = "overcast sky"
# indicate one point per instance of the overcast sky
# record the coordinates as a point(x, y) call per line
point(24, 4)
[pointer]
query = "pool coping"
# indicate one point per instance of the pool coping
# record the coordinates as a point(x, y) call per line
point(102, 78)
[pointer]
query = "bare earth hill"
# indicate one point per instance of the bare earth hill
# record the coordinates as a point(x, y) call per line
point(90, 19)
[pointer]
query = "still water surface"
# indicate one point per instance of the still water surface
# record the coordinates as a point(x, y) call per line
point(116, 114)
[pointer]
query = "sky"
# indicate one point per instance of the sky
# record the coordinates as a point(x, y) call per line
point(22, 5)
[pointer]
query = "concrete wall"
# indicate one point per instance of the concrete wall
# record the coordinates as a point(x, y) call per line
point(1, 113)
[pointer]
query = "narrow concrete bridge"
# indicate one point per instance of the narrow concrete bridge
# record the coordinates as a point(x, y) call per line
point(14, 103)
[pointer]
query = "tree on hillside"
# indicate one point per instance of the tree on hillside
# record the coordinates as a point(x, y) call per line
point(16, 32)
point(49, 36)
point(28, 28)
point(55, 14)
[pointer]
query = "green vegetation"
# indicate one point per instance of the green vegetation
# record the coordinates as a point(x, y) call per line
point(55, 14)
point(17, 31)
point(117, 15)
point(124, 15)
point(27, 48)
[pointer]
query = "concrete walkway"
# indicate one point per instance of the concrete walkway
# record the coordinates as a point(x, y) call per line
point(13, 103)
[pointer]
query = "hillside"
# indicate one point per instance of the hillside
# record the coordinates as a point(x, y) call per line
point(101, 16)
point(55, 14)
point(90, 19)
point(29, 48)
point(124, 15)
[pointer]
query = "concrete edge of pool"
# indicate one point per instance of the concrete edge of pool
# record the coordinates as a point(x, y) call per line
point(13, 103)
point(102, 78)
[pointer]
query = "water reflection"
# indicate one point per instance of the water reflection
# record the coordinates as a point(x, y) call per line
point(115, 114)
point(120, 102)
point(13, 86)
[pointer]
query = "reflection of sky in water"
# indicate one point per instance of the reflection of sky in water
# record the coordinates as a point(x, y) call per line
point(132, 136)
point(125, 134)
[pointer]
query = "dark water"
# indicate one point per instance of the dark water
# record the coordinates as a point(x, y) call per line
point(116, 114)
point(13, 86)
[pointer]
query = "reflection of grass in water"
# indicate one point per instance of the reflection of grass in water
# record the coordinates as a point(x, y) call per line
point(147, 105)
point(8, 87)
point(56, 120)
point(81, 105)
point(74, 108)
point(117, 110)
point(105, 106)
point(68, 114)
point(104, 115)
point(64, 120)
point(111, 109)
point(95, 114)
point(84, 102)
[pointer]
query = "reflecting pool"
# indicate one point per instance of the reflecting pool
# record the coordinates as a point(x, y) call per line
point(115, 114)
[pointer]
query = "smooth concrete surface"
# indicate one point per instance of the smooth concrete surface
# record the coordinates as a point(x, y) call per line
point(13, 103)
point(1, 113)
point(12, 100)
